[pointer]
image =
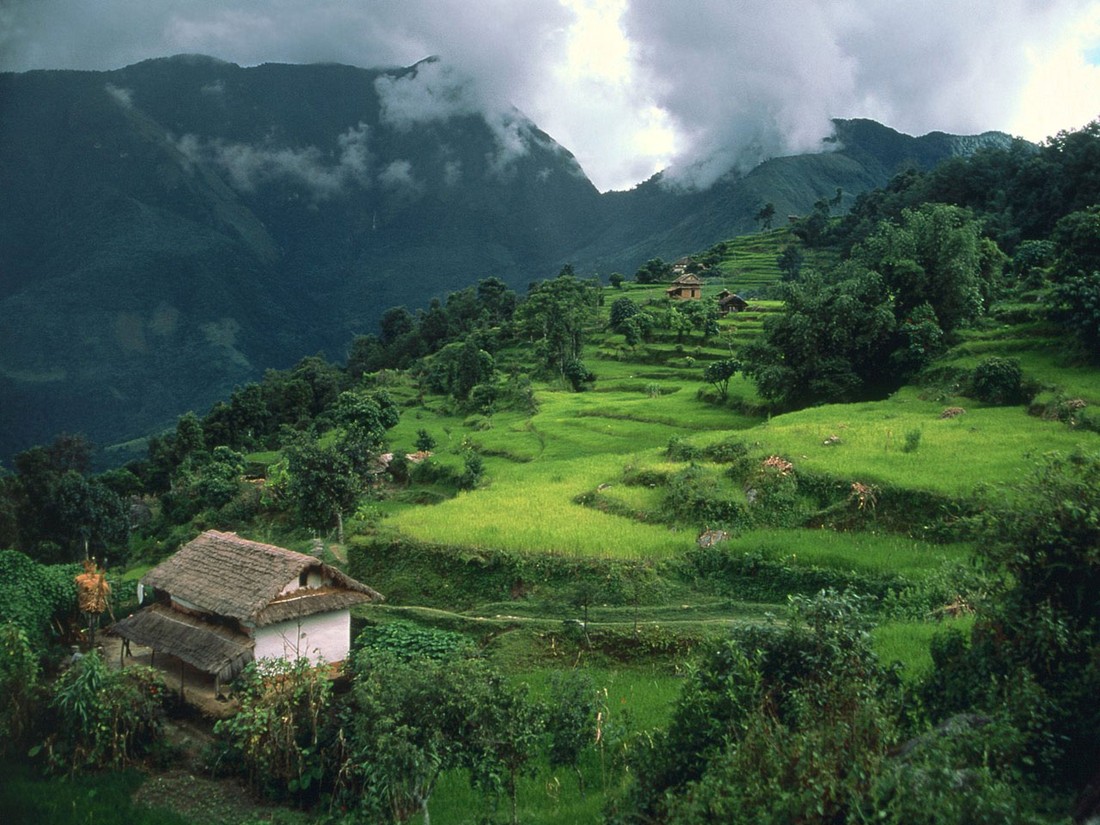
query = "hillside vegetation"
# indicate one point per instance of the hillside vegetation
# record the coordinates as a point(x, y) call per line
point(827, 559)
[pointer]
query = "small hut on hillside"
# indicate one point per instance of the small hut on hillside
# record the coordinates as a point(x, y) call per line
point(223, 601)
point(731, 302)
point(686, 287)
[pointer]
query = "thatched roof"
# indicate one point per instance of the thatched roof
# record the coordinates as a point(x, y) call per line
point(687, 280)
point(223, 574)
point(730, 300)
point(210, 648)
point(306, 603)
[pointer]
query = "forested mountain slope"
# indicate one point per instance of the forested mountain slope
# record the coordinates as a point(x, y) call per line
point(171, 229)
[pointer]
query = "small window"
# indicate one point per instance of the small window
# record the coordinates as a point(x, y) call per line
point(303, 578)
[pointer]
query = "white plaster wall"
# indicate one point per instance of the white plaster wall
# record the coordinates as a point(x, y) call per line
point(322, 636)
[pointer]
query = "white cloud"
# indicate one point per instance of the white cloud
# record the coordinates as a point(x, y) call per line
point(435, 92)
point(745, 81)
point(1064, 84)
point(452, 172)
point(250, 167)
point(397, 176)
point(432, 92)
point(125, 97)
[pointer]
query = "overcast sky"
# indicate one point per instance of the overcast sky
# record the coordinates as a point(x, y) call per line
point(634, 86)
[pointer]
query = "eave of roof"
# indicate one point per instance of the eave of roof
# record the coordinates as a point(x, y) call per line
point(210, 648)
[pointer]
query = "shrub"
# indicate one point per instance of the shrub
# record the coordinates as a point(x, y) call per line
point(106, 718)
point(955, 775)
point(912, 441)
point(727, 451)
point(473, 471)
point(998, 381)
point(38, 598)
point(622, 309)
point(1033, 649)
point(760, 577)
point(18, 686)
point(425, 442)
point(578, 374)
point(693, 496)
point(680, 449)
point(408, 641)
point(273, 738)
point(785, 723)
point(773, 495)
point(483, 398)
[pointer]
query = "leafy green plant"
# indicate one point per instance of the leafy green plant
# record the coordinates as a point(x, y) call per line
point(680, 449)
point(1033, 647)
point(780, 724)
point(274, 738)
point(414, 720)
point(473, 471)
point(719, 374)
point(39, 598)
point(425, 441)
point(578, 374)
point(731, 450)
point(998, 381)
point(106, 718)
point(19, 674)
point(693, 496)
point(409, 641)
point(912, 441)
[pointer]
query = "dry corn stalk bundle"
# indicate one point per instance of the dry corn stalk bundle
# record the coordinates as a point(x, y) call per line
point(865, 495)
point(780, 465)
point(92, 589)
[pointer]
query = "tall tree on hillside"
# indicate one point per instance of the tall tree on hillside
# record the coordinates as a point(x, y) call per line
point(790, 261)
point(831, 343)
point(653, 271)
point(395, 323)
point(61, 512)
point(322, 484)
point(765, 215)
point(934, 255)
point(554, 317)
point(1075, 298)
point(496, 300)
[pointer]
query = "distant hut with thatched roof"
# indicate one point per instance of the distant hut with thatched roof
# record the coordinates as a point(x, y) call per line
point(730, 302)
point(687, 287)
point(223, 601)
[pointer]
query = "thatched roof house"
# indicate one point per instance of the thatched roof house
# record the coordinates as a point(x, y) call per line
point(686, 287)
point(222, 601)
point(731, 302)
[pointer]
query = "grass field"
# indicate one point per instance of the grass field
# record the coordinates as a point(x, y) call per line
point(907, 643)
point(985, 445)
